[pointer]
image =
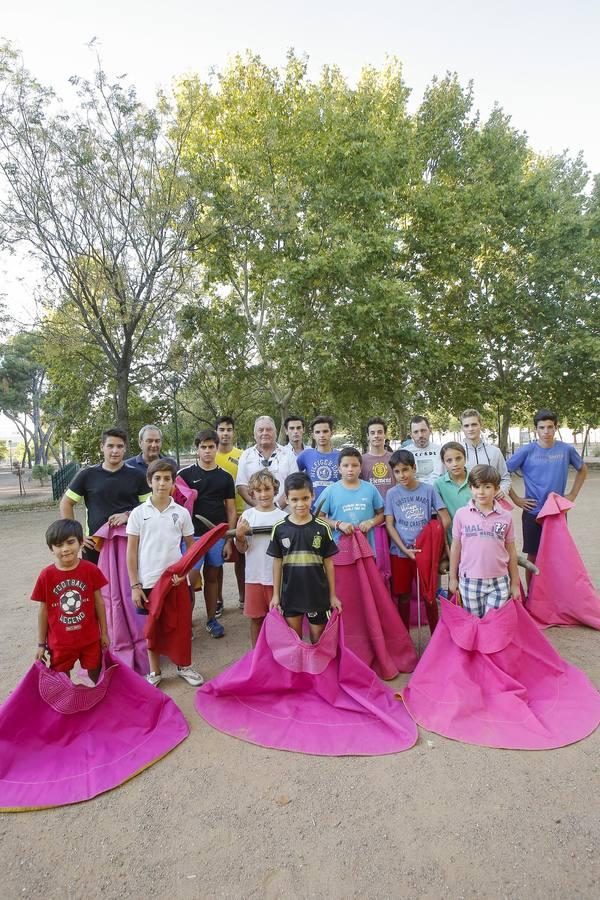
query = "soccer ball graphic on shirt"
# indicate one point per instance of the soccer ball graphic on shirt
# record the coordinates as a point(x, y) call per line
point(70, 602)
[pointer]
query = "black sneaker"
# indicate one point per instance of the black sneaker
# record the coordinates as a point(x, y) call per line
point(219, 611)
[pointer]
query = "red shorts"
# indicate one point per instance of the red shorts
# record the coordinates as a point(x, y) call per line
point(256, 600)
point(89, 656)
point(403, 573)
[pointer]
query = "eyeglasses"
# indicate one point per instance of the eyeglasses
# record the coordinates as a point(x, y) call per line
point(266, 462)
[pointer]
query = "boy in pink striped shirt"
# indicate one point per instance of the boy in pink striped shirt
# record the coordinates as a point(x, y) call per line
point(483, 557)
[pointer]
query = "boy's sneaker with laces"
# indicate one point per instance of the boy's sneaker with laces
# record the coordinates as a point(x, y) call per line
point(214, 628)
point(219, 611)
point(190, 675)
point(154, 678)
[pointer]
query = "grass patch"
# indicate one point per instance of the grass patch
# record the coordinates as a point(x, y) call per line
point(27, 505)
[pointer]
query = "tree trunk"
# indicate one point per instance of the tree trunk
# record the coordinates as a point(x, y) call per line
point(585, 440)
point(504, 422)
point(122, 399)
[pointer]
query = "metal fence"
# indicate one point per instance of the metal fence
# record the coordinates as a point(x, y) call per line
point(61, 479)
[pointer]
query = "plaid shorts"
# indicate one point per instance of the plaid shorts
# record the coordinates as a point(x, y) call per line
point(479, 595)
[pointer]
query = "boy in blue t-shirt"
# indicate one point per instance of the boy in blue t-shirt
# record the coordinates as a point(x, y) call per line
point(544, 465)
point(408, 508)
point(352, 503)
point(321, 462)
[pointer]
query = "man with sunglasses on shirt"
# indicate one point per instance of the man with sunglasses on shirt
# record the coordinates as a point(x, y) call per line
point(265, 454)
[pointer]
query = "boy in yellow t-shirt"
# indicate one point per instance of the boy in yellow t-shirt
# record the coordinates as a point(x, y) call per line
point(227, 458)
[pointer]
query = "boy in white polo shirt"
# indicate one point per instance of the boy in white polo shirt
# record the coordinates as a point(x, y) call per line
point(154, 533)
point(483, 558)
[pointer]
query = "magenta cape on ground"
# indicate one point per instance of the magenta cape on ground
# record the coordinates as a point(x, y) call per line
point(562, 594)
point(62, 743)
point(125, 627)
point(318, 699)
point(498, 682)
point(373, 629)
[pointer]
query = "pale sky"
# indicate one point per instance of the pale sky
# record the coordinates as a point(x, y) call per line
point(538, 58)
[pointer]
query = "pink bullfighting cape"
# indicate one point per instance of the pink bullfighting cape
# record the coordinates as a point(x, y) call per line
point(168, 627)
point(62, 742)
point(125, 627)
point(562, 594)
point(498, 682)
point(373, 628)
point(310, 698)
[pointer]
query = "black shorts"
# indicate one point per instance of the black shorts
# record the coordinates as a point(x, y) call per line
point(532, 533)
point(317, 617)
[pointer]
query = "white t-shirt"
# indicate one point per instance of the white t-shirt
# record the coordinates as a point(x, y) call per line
point(259, 566)
point(428, 461)
point(160, 535)
point(281, 463)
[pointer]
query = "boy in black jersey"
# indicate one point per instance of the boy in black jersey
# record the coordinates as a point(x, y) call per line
point(302, 548)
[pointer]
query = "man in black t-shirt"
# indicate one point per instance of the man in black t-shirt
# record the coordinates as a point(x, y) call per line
point(216, 502)
point(109, 490)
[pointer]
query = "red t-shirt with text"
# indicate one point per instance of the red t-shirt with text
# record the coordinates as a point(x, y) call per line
point(69, 598)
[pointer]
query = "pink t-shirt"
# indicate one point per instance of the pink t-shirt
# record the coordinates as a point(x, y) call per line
point(483, 541)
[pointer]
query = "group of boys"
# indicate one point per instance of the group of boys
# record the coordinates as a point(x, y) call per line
point(288, 506)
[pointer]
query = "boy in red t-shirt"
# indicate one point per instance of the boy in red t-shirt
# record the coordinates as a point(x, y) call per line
point(72, 619)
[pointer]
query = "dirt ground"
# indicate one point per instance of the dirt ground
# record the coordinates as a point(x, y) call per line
point(221, 818)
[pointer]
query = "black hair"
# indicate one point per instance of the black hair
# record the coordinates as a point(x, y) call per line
point(350, 451)
point(484, 475)
point(401, 457)
point(416, 419)
point(161, 465)
point(207, 434)
point(543, 415)
point(297, 481)
point(289, 419)
point(113, 432)
point(227, 420)
point(452, 445)
point(59, 531)
point(376, 421)
point(321, 420)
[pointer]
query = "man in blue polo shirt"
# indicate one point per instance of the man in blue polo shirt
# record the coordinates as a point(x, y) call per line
point(150, 441)
point(544, 465)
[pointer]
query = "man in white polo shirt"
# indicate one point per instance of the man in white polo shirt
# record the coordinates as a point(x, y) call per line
point(265, 454)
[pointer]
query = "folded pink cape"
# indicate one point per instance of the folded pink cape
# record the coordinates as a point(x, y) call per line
point(184, 495)
point(168, 628)
point(498, 682)
point(382, 551)
point(62, 743)
point(562, 594)
point(318, 699)
point(125, 627)
point(373, 628)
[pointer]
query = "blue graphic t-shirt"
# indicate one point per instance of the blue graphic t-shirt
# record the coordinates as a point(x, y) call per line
point(544, 469)
point(322, 468)
point(351, 505)
point(412, 510)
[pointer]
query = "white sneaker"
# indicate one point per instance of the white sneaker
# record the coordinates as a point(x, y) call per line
point(190, 675)
point(154, 678)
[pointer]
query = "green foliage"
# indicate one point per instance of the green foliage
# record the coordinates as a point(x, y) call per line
point(42, 473)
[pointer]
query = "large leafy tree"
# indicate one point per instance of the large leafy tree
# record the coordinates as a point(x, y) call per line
point(301, 239)
point(95, 194)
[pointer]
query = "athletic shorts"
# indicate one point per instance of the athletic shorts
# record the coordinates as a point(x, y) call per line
point(532, 533)
point(403, 574)
point(63, 660)
point(214, 557)
point(256, 600)
point(316, 617)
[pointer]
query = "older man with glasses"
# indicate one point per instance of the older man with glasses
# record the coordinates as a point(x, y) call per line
point(265, 454)
point(150, 442)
